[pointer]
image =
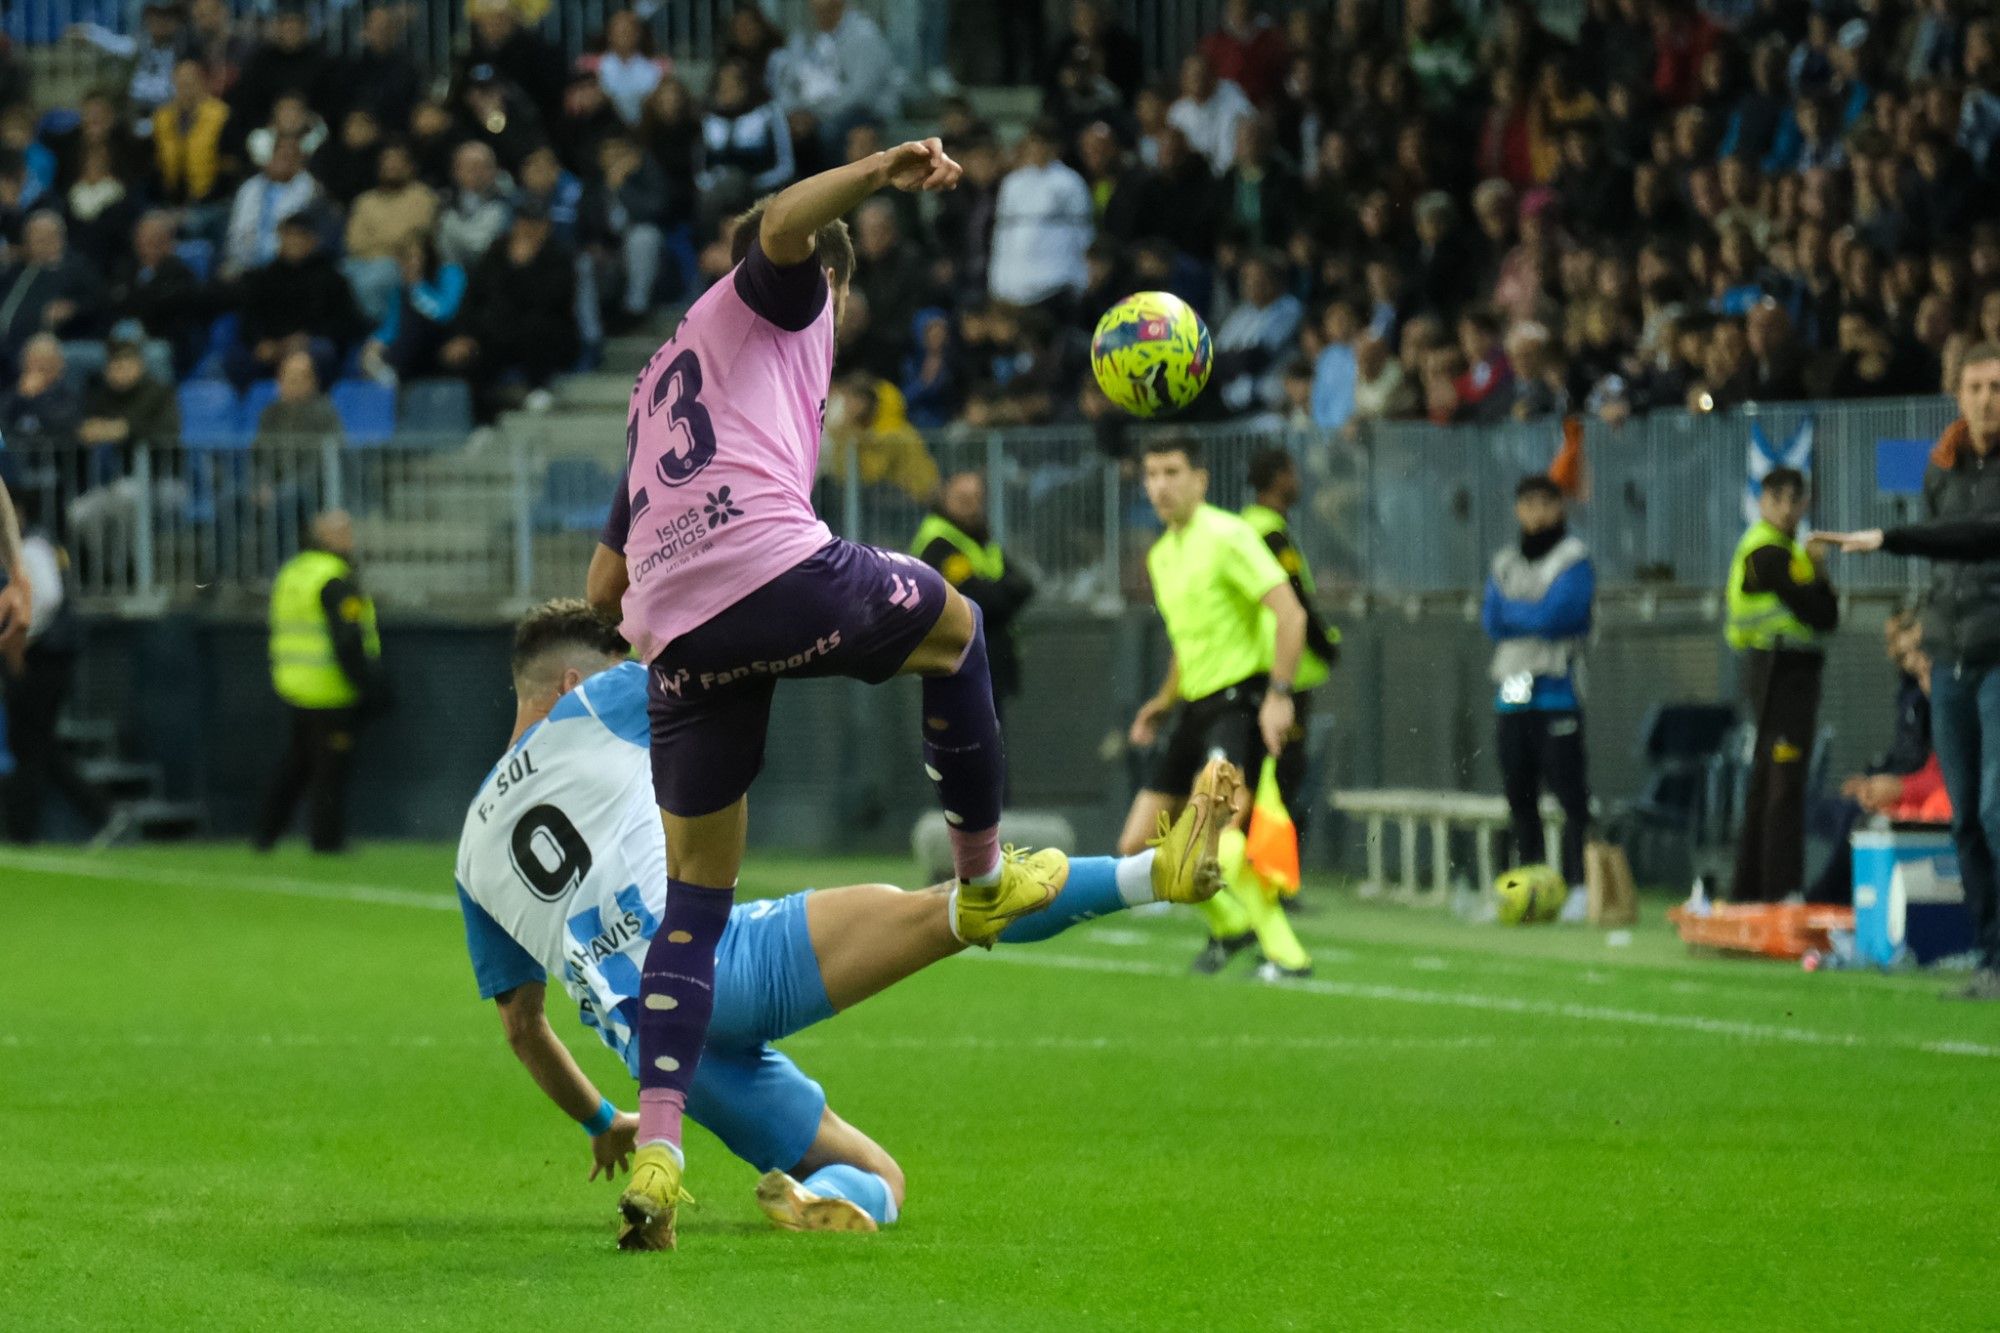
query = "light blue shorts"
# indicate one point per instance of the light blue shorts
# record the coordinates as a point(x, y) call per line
point(767, 986)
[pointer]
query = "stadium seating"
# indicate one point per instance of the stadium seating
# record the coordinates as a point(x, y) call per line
point(211, 416)
point(576, 496)
point(367, 411)
point(255, 399)
point(439, 409)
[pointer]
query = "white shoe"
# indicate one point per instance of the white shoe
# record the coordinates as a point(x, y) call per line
point(1576, 907)
point(1698, 903)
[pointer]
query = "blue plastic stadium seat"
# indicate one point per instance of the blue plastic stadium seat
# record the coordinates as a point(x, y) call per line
point(56, 121)
point(576, 496)
point(367, 411)
point(211, 418)
point(82, 358)
point(255, 399)
point(222, 335)
point(440, 410)
point(199, 256)
point(159, 354)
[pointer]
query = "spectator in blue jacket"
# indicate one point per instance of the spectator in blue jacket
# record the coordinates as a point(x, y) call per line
point(1537, 612)
point(416, 325)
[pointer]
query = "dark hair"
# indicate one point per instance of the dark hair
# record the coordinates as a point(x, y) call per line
point(1185, 445)
point(1267, 465)
point(834, 246)
point(1539, 483)
point(1785, 479)
point(566, 622)
point(1978, 354)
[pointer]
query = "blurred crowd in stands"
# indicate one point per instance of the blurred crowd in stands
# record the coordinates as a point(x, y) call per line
point(1689, 205)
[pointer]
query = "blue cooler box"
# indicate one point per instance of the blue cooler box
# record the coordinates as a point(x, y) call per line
point(1907, 894)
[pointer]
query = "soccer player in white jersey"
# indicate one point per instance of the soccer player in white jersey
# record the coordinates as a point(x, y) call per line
point(728, 580)
point(561, 874)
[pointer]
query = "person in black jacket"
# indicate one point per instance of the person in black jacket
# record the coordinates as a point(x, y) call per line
point(298, 301)
point(156, 287)
point(1962, 633)
point(620, 221)
point(518, 324)
point(288, 60)
point(1880, 782)
point(957, 541)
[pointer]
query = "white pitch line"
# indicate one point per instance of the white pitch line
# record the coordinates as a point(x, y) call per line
point(325, 890)
point(1591, 1013)
point(384, 895)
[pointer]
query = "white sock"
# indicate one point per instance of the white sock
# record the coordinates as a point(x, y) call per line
point(1135, 878)
point(951, 913)
point(680, 1158)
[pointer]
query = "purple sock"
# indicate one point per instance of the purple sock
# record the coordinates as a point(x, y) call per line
point(963, 756)
point(676, 997)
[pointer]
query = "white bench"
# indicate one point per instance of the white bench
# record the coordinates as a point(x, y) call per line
point(1485, 815)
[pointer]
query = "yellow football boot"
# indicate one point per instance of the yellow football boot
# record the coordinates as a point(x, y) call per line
point(1029, 881)
point(793, 1207)
point(647, 1206)
point(1185, 868)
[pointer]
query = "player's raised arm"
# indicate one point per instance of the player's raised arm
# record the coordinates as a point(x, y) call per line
point(555, 1072)
point(796, 215)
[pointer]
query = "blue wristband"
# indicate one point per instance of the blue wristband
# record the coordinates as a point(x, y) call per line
point(600, 1122)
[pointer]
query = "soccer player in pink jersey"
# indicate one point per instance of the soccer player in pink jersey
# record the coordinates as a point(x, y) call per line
point(727, 580)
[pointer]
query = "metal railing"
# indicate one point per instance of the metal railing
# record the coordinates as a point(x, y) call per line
point(482, 525)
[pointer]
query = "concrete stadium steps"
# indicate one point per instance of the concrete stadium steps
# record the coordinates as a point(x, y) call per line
point(560, 559)
point(436, 561)
point(601, 392)
point(140, 805)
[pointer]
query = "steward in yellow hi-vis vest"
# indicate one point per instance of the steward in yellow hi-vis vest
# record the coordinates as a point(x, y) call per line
point(956, 541)
point(1779, 605)
point(1274, 479)
point(325, 666)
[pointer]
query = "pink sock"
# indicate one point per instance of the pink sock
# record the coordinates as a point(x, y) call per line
point(975, 855)
point(660, 1115)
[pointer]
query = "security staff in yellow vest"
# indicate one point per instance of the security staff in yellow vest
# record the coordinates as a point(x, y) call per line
point(955, 540)
point(325, 665)
point(1780, 604)
point(1274, 479)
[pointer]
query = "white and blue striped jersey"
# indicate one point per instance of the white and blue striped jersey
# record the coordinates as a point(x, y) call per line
point(562, 863)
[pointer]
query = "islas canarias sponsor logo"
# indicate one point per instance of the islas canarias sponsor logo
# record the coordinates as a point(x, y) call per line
point(685, 532)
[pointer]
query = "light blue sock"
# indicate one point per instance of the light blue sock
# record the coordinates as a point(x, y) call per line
point(1093, 890)
point(864, 1189)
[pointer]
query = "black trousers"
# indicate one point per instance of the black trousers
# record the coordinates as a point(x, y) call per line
point(316, 761)
point(34, 699)
point(1538, 750)
point(1782, 691)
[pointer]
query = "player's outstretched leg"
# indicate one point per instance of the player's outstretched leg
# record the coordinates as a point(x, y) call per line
point(833, 1198)
point(964, 760)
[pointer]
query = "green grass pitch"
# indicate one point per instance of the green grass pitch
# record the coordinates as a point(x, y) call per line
point(259, 1094)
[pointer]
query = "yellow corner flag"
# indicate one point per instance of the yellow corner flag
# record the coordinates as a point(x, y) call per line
point(1273, 846)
